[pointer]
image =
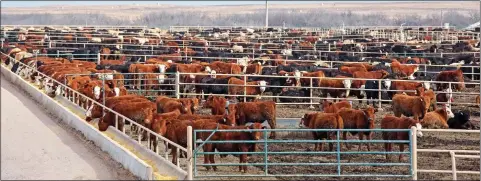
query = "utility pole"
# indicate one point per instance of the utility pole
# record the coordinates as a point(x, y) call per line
point(442, 17)
point(267, 14)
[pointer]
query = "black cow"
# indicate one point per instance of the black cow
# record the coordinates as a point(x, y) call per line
point(461, 120)
point(294, 93)
point(373, 95)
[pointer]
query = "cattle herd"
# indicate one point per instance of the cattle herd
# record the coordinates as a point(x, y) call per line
point(179, 73)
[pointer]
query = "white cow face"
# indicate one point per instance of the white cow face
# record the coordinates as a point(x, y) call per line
point(97, 92)
point(161, 68)
point(262, 86)
point(387, 84)
point(117, 91)
point(347, 84)
point(418, 132)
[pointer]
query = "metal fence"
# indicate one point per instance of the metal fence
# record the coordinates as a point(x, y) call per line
point(336, 158)
point(313, 98)
point(470, 154)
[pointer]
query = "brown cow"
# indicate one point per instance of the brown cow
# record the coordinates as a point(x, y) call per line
point(216, 104)
point(316, 120)
point(225, 68)
point(140, 112)
point(351, 70)
point(95, 111)
point(255, 68)
point(257, 112)
point(438, 118)
point(415, 106)
point(316, 82)
point(159, 125)
point(358, 119)
point(432, 99)
point(336, 83)
point(450, 76)
point(367, 66)
point(236, 87)
point(404, 70)
point(403, 86)
point(391, 122)
point(331, 107)
point(230, 147)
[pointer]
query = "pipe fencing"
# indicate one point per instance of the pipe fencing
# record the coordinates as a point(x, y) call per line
point(266, 154)
point(453, 154)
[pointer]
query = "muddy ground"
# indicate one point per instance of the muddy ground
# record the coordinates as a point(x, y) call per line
point(430, 140)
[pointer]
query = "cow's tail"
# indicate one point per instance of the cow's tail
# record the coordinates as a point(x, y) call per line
point(340, 122)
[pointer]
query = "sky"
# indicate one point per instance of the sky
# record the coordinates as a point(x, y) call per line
point(48, 3)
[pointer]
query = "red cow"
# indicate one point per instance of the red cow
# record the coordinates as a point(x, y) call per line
point(322, 121)
point(415, 106)
point(391, 122)
point(216, 104)
point(451, 76)
point(358, 119)
point(331, 107)
point(257, 112)
point(438, 118)
point(230, 147)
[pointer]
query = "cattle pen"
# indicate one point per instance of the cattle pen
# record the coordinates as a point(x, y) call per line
point(439, 154)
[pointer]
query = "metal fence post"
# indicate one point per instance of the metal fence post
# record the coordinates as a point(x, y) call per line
point(189, 153)
point(453, 164)
point(310, 91)
point(379, 94)
point(329, 47)
point(265, 152)
point(245, 88)
point(98, 58)
point(177, 85)
point(414, 153)
point(450, 95)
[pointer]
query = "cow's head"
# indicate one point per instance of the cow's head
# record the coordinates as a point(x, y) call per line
point(159, 125)
point(256, 135)
point(415, 123)
point(369, 114)
point(387, 84)
point(208, 69)
point(161, 78)
point(116, 91)
point(161, 67)
point(305, 120)
point(209, 102)
point(262, 85)
point(213, 72)
point(97, 90)
point(448, 110)
point(325, 104)
point(347, 84)
point(49, 86)
point(427, 85)
point(103, 124)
